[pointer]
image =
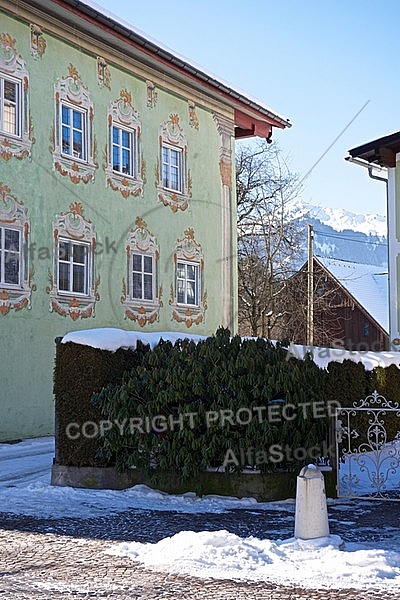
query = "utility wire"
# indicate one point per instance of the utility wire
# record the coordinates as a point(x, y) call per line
point(343, 237)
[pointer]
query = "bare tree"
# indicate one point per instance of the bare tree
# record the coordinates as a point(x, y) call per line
point(268, 236)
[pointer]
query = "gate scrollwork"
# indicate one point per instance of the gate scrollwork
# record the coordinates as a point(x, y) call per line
point(368, 448)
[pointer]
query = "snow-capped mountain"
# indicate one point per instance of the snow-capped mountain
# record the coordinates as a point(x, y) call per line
point(342, 220)
point(341, 234)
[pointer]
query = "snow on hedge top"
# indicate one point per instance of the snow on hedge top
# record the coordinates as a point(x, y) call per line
point(323, 356)
point(109, 338)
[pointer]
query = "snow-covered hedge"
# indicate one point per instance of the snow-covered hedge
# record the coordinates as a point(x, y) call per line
point(185, 405)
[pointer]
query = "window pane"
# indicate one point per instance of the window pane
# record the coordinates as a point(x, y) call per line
point(66, 146)
point(148, 287)
point(165, 178)
point(174, 180)
point(63, 277)
point(126, 162)
point(10, 256)
point(65, 115)
point(148, 264)
point(126, 139)
point(187, 283)
point(10, 91)
point(11, 240)
point(77, 117)
point(79, 253)
point(181, 291)
point(79, 279)
point(63, 251)
point(137, 285)
point(172, 168)
point(191, 272)
point(10, 106)
point(73, 132)
point(115, 160)
point(174, 158)
point(180, 270)
point(137, 262)
point(10, 119)
point(191, 292)
point(78, 144)
point(122, 151)
point(11, 268)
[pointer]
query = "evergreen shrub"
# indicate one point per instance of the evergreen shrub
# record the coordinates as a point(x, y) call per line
point(218, 374)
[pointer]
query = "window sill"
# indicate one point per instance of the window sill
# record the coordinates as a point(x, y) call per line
point(73, 305)
point(143, 313)
point(174, 199)
point(15, 298)
point(73, 159)
point(77, 169)
point(127, 185)
point(17, 147)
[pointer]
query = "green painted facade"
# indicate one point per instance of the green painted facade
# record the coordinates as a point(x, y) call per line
point(49, 54)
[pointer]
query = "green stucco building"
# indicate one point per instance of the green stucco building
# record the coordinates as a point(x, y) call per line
point(117, 192)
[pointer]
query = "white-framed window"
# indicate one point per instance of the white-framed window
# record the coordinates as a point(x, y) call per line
point(16, 283)
point(172, 168)
point(73, 132)
point(73, 267)
point(187, 283)
point(142, 277)
point(141, 295)
point(15, 124)
point(73, 284)
point(123, 166)
point(10, 257)
point(74, 151)
point(188, 298)
point(124, 150)
point(10, 106)
point(173, 176)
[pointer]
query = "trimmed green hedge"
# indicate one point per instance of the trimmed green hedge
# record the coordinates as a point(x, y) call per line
point(250, 380)
point(79, 372)
point(183, 408)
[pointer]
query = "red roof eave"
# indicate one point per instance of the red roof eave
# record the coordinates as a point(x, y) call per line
point(252, 126)
point(256, 121)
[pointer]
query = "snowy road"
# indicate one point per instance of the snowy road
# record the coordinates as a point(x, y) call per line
point(25, 461)
point(180, 543)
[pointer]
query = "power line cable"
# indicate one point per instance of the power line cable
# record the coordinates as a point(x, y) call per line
point(343, 237)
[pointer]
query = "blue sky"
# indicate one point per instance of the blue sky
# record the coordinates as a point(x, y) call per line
point(315, 62)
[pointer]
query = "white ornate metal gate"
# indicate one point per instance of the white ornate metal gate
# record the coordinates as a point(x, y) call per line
point(368, 449)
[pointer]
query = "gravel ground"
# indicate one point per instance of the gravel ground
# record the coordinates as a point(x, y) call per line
point(32, 552)
point(30, 564)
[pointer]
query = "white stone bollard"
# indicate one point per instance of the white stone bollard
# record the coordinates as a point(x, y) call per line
point(311, 520)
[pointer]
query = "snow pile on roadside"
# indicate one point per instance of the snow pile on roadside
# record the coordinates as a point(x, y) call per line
point(25, 489)
point(313, 563)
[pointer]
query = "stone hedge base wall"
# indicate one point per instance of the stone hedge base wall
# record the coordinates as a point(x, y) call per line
point(264, 488)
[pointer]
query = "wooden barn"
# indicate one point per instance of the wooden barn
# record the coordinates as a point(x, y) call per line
point(350, 304)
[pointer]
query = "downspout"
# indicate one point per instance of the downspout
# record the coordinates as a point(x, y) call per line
point(369, 167)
